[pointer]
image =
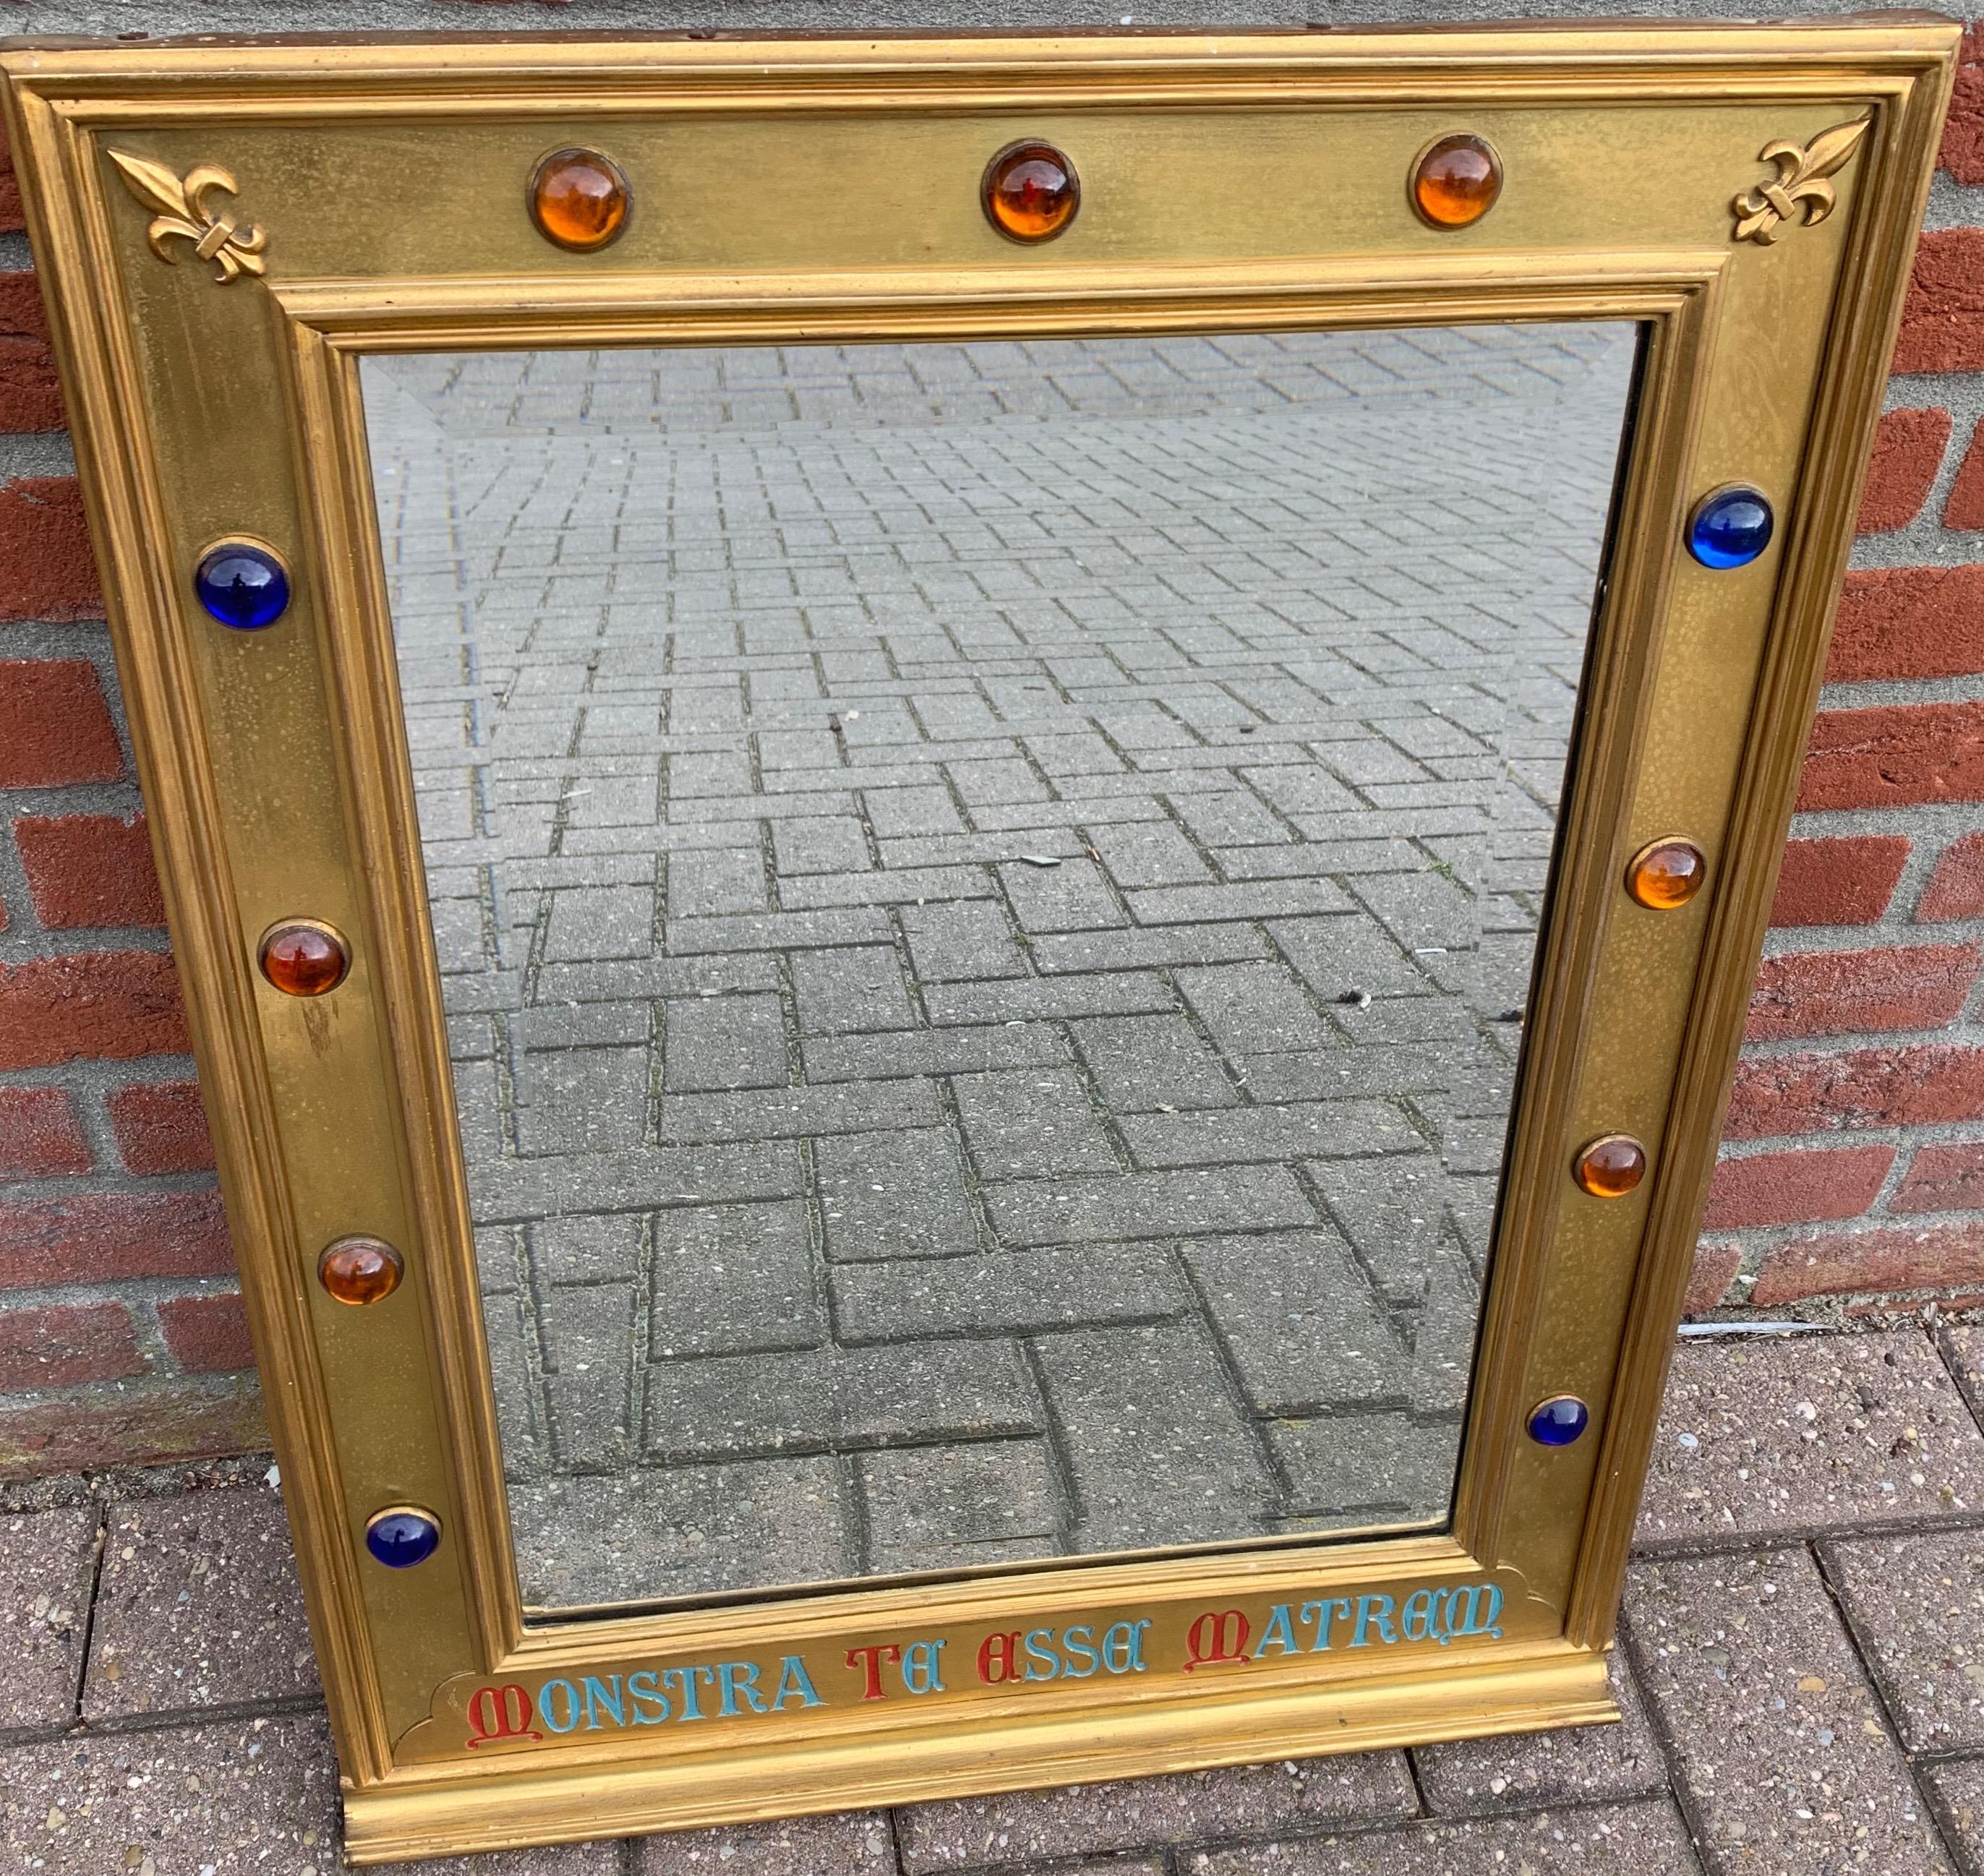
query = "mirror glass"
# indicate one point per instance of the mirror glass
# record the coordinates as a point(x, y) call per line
point(985, 895)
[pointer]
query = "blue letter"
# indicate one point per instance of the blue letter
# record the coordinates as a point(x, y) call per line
point(1279, 1631)
point(740, 1681)
point(1322, 1614)
point(923, 1662)
point(597, 1690)
point(687, 1676)
point(1080, 1643)
point(1123, 1647)
point(1374, 1612)
point(570, 1705)
point(641, 1687)
point(794, 1684)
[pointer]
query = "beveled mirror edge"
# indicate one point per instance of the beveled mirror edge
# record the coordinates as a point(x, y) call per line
point(1906, 64)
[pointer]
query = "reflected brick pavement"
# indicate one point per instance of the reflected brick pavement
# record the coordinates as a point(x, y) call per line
point(982, 892)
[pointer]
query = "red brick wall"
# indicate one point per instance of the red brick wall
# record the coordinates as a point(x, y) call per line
point(1853, 1169)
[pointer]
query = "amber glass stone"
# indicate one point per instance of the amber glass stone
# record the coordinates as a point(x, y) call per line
point(1455, 182)
point(1667, 874)
point(360, 1270)
point(579, 199)
point(1031, 192)
point(304, 959)
point(1611, 1165)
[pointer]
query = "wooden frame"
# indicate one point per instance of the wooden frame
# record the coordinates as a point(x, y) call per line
point(217, 395)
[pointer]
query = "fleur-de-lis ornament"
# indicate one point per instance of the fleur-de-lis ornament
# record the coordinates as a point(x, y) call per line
point(1799, 183)
point(189, 210)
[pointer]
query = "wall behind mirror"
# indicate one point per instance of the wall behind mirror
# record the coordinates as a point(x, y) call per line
point(986, 895)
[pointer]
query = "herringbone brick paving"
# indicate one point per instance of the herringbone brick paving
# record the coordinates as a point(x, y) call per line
point(986, 894)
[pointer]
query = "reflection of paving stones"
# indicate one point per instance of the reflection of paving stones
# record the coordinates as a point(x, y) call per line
point(983, 894)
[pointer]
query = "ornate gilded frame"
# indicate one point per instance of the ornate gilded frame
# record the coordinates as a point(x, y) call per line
point(224, 229)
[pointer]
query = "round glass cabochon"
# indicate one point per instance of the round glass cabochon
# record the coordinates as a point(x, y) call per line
point(1730, 527)
point(243, 585)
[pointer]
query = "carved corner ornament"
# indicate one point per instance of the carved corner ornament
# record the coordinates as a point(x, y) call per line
point(1799, 185)
point(188, 209)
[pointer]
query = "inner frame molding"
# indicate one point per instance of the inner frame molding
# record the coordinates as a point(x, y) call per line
point(226, 229)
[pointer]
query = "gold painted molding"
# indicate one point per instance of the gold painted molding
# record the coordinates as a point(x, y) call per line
point(275, 768)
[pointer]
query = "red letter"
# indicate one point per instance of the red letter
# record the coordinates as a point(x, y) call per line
point(500, 1713)
point(871, 1657)
point(998, 1651)
point(1207, 1642)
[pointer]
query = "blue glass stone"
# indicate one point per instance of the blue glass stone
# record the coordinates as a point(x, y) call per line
point(1730, 527)
point(400, 1540)
point(1559, 1420)
point(243, 585)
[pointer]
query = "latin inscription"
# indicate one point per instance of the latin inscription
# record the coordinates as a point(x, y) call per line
point(913, 1668)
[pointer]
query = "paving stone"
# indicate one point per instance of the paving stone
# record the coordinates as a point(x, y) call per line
point(589, 1359)
point(197, 1604)
point(635, 1181)
point(720, 1042)
point(1031, 1124)
point(1962, 1346)
point(1140, 1064)
point(778, 931)
point(1022, 1827)
point(1150, 853)
point(845, 1843)
point(1057, 954)
point(580, 1026)
point(1574, 1765)
point(1356, 1468)
point(595, 1537)
point(953, 1507)
point(791, 1114)
point(1005, 1292)
point(727, 1278)
point(1612, 1840)
point(1160, 1448)
point(582, 1100)
point(236, 1797)
point(1917, 1605)
point(602, 921)
point(1073, 895)
point(965, 939)
point(1299, 1326)
point(1422, 909)
point(1082, 1210)
point(1045, 999)
point(859, 989)
point(1775, 1730)
point(1339, 1130)
point(1266, 899)
point(1253, 1010)
point(894, 1195)
point(906, 1052)
point(1809, 1434)
point(829, 845)
point(46, 1560)
point(1957, 1788)
point(1395, 1221)
point(831, 1399)
point(589, 1247)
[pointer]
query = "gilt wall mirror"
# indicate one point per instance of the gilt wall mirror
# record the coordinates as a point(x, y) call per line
point(967, 835)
